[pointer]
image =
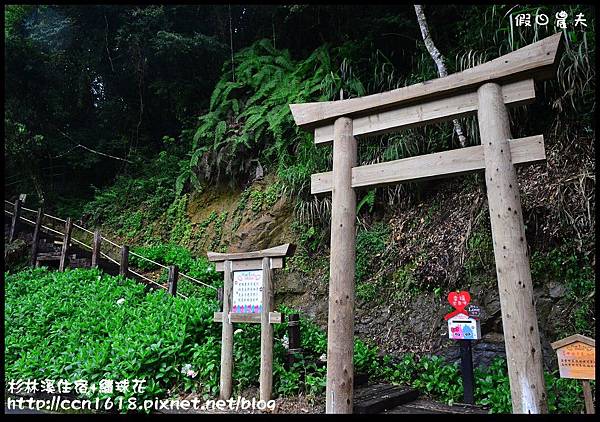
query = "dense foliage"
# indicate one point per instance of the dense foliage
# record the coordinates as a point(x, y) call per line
point(131, 334)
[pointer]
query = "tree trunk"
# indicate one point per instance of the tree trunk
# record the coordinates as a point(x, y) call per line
point(439, 62)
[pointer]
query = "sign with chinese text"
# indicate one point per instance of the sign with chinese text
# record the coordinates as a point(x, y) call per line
point(576, 357)
point(247, 292)
point(474, 311)
point(463, 327)
point(458, 300)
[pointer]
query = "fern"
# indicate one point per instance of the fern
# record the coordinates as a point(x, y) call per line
point(250, 121)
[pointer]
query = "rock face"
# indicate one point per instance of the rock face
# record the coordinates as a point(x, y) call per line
point(268, 229)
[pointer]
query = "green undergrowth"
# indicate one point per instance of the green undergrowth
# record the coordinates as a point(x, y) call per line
point(566, 266)
point(198, 268)
point(83, 324)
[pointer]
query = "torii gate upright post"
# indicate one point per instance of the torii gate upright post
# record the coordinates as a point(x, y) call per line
point(522, 337)
point(340, 324)
point(485, 90)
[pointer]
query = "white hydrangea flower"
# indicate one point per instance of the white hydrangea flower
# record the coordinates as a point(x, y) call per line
point(186, 368)
point(323, 358)
point(239, 330)
point(121, 301)
point(285, 341)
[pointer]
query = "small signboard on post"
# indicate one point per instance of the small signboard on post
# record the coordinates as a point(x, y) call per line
point(463, 325)
point(577, 359)
point(474, 311)
point(248, 297)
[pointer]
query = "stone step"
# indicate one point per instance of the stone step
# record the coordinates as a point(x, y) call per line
point(380, 397)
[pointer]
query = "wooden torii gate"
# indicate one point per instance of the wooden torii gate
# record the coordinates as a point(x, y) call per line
point(487, 90)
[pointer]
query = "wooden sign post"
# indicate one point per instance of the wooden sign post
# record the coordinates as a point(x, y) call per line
point(486, 90)
point(577, 359)
point(248, 297)
point(464, 327)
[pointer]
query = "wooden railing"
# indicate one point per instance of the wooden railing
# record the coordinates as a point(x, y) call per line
point(94, 247)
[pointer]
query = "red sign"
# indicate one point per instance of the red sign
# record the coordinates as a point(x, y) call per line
point(458, 300)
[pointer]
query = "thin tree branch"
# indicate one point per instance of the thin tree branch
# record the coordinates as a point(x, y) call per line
point(231, 45)
point(79, 145)
point(106, 44)
point(439, 62)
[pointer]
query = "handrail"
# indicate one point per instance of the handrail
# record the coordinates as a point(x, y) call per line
point(148, 259)
point(26, 219)
point(81, 243)
point(83, 228)
point(198, 281)
point(146, 278)
point(111, 242)
point(56, 218)
point(28, 209)
point(50, 229)
point(109, 258)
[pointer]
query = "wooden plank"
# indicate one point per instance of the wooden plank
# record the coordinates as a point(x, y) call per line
point(225, 383)
point(274, 318)
point(48, 257)
point(276, 251)
point(425, 406)
point(381, 397)
point(266, 334)
point(65, 245)
point(96, 248)
point(340, 322)
point(172, 279)
point(517, 93)
point(537, 60)
point(572, 339)
point(519, 319)
point(251, 264)
point(124, 262)
point(431, 166)
point(588, 398)
point(14, 227)
point(36, 236)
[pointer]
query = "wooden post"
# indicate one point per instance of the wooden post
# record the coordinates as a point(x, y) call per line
point(340, 326)
point(65, 245)
point(521, 335)
point(36, 236)
point(14, 228)
point(466, 367)
point(220, 297)
point(96, 248)
point(587, 397)
point(227, 336)
point(124, 263)
point(266, 333)
point(173, 275)
point(293, 338)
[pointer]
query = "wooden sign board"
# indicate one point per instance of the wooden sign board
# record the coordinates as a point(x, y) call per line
point(576, 357)
point(463, 327)
point(248, 298)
